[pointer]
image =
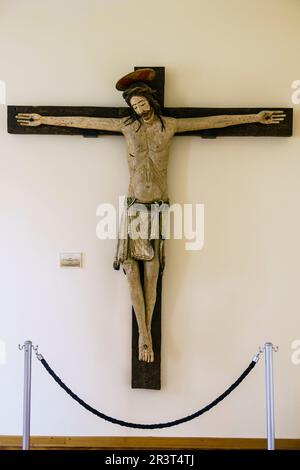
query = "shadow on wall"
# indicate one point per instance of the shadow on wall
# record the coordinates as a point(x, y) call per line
point(2, 92)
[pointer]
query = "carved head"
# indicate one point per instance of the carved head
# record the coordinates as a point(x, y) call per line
point(141, 106)
point(141, 99)
point(143, 90)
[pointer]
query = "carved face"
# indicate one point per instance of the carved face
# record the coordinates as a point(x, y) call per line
point(141, 106)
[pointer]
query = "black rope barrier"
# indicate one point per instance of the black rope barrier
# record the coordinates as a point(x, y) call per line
point(147, 426)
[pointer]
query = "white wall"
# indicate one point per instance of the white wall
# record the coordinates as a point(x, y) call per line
point(219, 304)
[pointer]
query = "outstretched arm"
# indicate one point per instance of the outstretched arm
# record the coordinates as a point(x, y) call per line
point(101, 124)
point(213, 122)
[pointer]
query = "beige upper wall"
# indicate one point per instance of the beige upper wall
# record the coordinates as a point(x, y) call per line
point(238, 292)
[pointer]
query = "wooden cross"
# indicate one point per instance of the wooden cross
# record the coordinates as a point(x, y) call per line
point(147, 375)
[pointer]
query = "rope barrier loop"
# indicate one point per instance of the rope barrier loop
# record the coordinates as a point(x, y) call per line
point(148, 426)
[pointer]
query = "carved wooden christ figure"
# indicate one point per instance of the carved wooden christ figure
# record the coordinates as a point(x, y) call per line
point(148, 137)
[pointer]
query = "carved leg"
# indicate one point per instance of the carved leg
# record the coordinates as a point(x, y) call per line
point(137, 298)
point(151, 271)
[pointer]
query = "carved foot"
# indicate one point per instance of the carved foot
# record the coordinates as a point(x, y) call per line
point(146, 353)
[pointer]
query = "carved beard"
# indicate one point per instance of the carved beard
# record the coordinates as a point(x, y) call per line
point(146, 114)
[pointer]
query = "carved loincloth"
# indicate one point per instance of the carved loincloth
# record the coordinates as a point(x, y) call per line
point(141, 224)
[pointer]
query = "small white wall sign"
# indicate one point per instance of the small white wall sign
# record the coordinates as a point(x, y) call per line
point(71, 260)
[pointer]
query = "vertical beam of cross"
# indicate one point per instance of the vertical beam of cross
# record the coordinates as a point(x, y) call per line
point(143, 374)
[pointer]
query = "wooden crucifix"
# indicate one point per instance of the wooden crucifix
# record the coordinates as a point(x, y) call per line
point(148, 128)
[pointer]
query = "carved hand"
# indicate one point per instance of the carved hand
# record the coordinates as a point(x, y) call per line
point(32, 119)
point(271, 117)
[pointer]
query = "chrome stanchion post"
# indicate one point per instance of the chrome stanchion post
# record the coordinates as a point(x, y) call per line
point(270, 394)
point(27, 346)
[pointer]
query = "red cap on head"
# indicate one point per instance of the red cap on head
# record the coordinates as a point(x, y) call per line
point(141, 75)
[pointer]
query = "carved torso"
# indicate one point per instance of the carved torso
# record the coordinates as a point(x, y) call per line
point(147, 155)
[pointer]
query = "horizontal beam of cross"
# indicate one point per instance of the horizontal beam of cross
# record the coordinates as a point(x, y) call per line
point(284, 129)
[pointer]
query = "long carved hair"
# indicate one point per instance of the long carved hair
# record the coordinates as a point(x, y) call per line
point(141, 89)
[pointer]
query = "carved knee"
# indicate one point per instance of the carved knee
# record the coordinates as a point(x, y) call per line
point(129, 267)
point(153, 268)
